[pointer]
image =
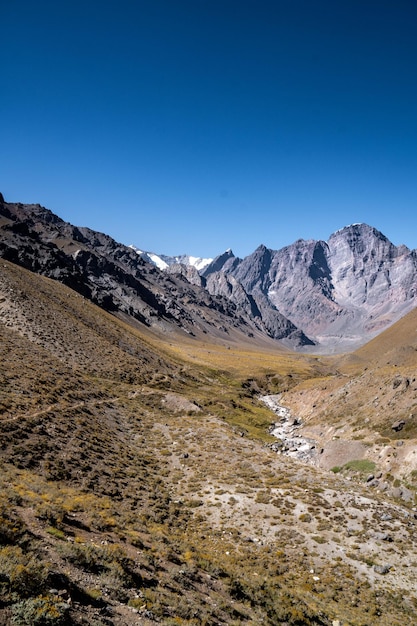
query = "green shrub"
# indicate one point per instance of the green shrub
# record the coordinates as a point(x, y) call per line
point(360, 465)
point(11, 526)
point(319, 539)
point(55, 532)
point(40, 611)
point(88, 557)
point(24, 573)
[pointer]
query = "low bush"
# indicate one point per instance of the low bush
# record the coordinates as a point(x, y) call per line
point(22, 572)
point(40, 611)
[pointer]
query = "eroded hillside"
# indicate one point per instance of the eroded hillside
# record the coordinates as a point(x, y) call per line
point(367, 409)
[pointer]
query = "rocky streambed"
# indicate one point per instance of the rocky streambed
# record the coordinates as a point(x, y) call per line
point(286, 430)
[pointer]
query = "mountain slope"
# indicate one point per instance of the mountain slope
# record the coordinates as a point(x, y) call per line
point(367, 409)
point(117, 278)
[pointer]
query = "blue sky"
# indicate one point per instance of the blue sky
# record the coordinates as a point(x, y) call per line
point(192, 126)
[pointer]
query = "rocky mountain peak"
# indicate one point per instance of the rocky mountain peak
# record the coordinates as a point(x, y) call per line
point(223, 262)
point(358, 237)
point(364, 264)
point(254, 269)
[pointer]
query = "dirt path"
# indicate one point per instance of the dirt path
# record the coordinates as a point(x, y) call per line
point(59, 407)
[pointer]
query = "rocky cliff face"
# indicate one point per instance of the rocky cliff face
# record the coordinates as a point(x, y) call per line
point(340, 293)
point(367, 267)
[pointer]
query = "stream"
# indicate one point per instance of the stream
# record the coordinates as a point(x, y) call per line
point(289, 443)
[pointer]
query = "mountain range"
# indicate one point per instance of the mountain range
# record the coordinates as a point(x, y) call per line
point(310, 296)
point(114, 276)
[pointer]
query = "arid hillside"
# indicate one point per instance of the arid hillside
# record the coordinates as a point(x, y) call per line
point(140, 483)
point(367, 407)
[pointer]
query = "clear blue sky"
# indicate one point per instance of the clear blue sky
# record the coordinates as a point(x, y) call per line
point(191, 126)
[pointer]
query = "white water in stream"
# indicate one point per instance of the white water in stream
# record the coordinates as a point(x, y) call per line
point(286, 430)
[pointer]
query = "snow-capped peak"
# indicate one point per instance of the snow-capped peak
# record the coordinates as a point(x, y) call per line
point(162, 261)
point(198, 262)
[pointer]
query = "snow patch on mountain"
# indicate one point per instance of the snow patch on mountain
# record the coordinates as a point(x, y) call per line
point(163, 261)
point(198, 262)
point(150, 257)
point(156, 260)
